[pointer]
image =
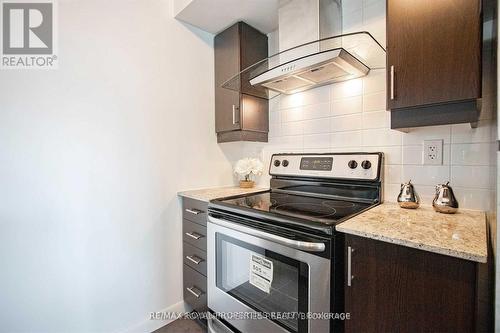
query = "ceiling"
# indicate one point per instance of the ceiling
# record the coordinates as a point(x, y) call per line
point(216, 15)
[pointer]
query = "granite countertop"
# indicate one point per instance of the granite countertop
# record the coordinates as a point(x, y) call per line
point(208, 194)
point(461, 235)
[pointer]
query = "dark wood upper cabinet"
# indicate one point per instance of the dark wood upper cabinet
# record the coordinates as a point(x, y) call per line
point(399, 289)
point(433, 61)
point(243, 114)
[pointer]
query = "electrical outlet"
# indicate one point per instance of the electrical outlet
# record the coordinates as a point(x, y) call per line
point(433, 152)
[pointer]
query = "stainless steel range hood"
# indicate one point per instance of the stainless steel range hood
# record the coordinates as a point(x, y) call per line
point(327, 60)
point(314, 70)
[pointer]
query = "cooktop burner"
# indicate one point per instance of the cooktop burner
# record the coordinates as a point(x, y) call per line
point(319, 210)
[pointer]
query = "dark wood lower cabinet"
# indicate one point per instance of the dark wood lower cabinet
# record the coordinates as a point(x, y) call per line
point(399, 289)
point(194, 229)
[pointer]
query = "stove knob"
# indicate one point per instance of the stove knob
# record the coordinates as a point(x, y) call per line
point(285, 163)
point(353, 164)
point(366, 165)
point(277, 163)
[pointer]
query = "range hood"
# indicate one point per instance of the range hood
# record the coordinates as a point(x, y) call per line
point(324, 61)
point(312, 71)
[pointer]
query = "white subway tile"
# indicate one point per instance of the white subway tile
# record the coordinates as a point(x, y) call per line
point(446, 154)
point(274, 130)
point(391, 192)
point(351, 6)
point(313, 96)
point(471, 154)
point(375, 82)
point(392, 154)
point(315, 111)
point(416, 136)
point(347, 106)
point(374, 102)
point(377, 119)
point(316, 126)
point(463, 133)
point(346, 89)
point(374, 19)
point(317, 141)
point(274, 104)
point(275, 117)
point(352, 21)
point(392, 174)
point(348, 149)
point(470, 198)
point(292, 144)
point(413, 155)
point(346, 123)
point(292, 128)
point(425, 192)
point(317, 150)
point(346, 139)
point(471, 176)
point(292, 114)
point(426, 174)
point(381, 137)
point(312, 111)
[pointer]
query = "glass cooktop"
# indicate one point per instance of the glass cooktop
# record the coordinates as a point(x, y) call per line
point(320, 210)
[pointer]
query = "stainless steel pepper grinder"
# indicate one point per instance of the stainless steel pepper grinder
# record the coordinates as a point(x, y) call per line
point(408, 197)
point(445, 201)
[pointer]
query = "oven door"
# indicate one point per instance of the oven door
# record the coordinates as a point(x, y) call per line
point(263, 282)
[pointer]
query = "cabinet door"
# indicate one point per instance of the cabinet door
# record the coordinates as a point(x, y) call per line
point(398, 289)
point(433, 51)
point(227, 64)
point(255, 113)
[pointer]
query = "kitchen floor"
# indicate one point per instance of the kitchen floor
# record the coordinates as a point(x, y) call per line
point(183, 326)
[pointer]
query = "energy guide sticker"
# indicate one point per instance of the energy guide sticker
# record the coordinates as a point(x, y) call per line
point(261, 272)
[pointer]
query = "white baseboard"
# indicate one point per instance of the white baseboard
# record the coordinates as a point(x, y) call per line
point(150, 325)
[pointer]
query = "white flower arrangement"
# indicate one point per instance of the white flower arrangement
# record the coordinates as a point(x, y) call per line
point(247, 167)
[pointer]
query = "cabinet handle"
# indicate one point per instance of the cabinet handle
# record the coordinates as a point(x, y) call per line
point(392, 82)
point(235, 108)
point(350, 250)
point(194, 259)
point(194, 235)
point(193, 211)
point(195, 291)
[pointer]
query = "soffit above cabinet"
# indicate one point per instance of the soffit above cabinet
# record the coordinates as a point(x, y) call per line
point(216, 15)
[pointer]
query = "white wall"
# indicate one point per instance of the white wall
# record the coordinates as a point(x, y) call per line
point(91, 158)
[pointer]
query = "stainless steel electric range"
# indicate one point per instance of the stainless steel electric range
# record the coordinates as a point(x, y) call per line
point(275, 262)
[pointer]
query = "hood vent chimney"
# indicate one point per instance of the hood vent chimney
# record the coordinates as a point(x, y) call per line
point(313, 50)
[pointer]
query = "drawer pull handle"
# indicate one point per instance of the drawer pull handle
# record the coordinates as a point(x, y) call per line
point(194, 259)
point(193, 211)
point(195, 291)
point(194, 235)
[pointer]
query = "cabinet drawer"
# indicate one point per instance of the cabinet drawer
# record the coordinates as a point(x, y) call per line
point(195, 289)
point(195, 234)
point(194, 210)
point(195, 258)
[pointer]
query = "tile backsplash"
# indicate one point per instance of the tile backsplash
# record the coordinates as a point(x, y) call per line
point(347, 117)
point(352, 116)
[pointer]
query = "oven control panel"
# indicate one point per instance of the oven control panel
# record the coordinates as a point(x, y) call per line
point(357, 166)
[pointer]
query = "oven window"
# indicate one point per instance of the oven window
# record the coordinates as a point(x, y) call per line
point(263, 280)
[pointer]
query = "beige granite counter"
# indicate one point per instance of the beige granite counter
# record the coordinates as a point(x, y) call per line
point(208, 194)
point(461, 235)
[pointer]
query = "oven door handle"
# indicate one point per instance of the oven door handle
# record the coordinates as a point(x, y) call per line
point(299, 245)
